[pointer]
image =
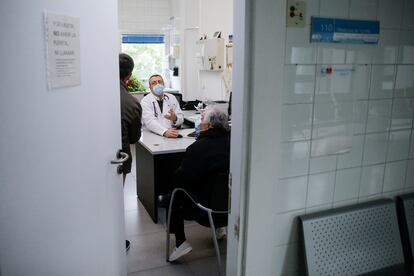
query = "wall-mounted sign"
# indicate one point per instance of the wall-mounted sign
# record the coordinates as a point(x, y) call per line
point(62, 50)
point(345, 31)
point(329, 70)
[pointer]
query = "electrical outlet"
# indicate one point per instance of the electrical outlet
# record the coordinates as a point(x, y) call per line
point(296, 13)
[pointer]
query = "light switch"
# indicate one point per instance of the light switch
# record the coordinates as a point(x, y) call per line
point(296, 13)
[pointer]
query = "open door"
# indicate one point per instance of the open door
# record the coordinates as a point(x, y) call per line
point(239, 139)
point(61, 201)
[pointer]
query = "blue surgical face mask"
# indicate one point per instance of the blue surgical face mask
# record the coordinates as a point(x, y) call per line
point(158, 89)
point(197, 123)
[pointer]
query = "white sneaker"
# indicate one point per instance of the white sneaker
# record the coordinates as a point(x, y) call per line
point(180, 251)
point(221, 233)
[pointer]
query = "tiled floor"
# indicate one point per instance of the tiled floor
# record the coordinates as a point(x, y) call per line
point(147, 253)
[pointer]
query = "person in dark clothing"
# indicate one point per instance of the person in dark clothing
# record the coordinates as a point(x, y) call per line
point(209, 155)
point(131, 113)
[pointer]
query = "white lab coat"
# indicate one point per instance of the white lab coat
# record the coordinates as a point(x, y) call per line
point(153, 119)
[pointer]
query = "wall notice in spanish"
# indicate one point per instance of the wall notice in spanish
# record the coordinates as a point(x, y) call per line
point(62, 50)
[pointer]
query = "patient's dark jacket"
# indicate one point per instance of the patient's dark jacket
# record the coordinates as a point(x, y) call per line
point(209, 155)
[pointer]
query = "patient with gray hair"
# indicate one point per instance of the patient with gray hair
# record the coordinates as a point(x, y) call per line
point(214, 117)
point(208, 155)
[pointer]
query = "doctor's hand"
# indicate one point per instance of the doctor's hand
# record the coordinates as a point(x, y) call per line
point(171, 133)
point(171, 115)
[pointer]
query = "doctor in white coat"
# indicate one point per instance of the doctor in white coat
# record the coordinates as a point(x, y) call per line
point(161, 112)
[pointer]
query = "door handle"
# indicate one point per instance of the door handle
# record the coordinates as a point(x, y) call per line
point(121, 157)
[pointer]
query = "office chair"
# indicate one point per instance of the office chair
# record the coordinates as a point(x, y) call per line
point(217, 209)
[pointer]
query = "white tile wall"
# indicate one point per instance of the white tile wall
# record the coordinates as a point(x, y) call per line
point(291, 194)
point(387, 50)
point(296, 122)
point(406, 54)
point(375, 149)
point(353, 158)
point(334, 8)
point(358, 96)
point(372, 180)
point(287, 227)
point(394, 178)
point(361, 81)
point(382, 81)
point(329, 54)
point(402, 114)
point(143, 16)
point(345, 203)
point(360, 54)
point(347, 184)
point(389, 13)
point(298, 48)
point(379, 115)
point(404, 84)
point(327, 117)
point(412, 146)
point(322, 164)
point(299, 84)
point(295, 158)
point(409, 182)
point(321, 189)
point(363, 9)
point(287, 259)
point(408, 20)
point(312, 9)
point(360, 116)
point(318, 208)
point(399, 145)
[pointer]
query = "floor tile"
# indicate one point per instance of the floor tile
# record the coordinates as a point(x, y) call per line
point(147, 253)
point(170, 270)
point(137, 222)
point(207, 266)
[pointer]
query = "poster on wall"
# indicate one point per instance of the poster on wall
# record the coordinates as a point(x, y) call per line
point(344, 31)
point(62, 50)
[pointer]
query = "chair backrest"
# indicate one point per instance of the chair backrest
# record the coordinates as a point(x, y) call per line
point(405, 205)
point(352, 240)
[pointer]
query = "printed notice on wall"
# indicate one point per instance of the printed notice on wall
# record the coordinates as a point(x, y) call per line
point(62, 50)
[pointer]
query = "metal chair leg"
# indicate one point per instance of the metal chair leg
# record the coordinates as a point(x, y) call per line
point(213, 230)
point(167, 251)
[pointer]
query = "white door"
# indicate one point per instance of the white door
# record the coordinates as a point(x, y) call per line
point(239, 140)
point(61, 205)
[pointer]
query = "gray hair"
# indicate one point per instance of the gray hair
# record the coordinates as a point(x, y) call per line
point(216, 117)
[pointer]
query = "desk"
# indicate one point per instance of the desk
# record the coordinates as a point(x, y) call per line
point(190, 116)
point(157, 159)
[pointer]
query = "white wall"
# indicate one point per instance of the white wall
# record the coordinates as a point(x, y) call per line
point(284, 180)
point(192, 18)
point(143, 16)
point(215, 15)
point(199, 17)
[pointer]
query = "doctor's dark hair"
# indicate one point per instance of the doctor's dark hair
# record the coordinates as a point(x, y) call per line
point(216, 117)
point(152, 76)
point(126, 65)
